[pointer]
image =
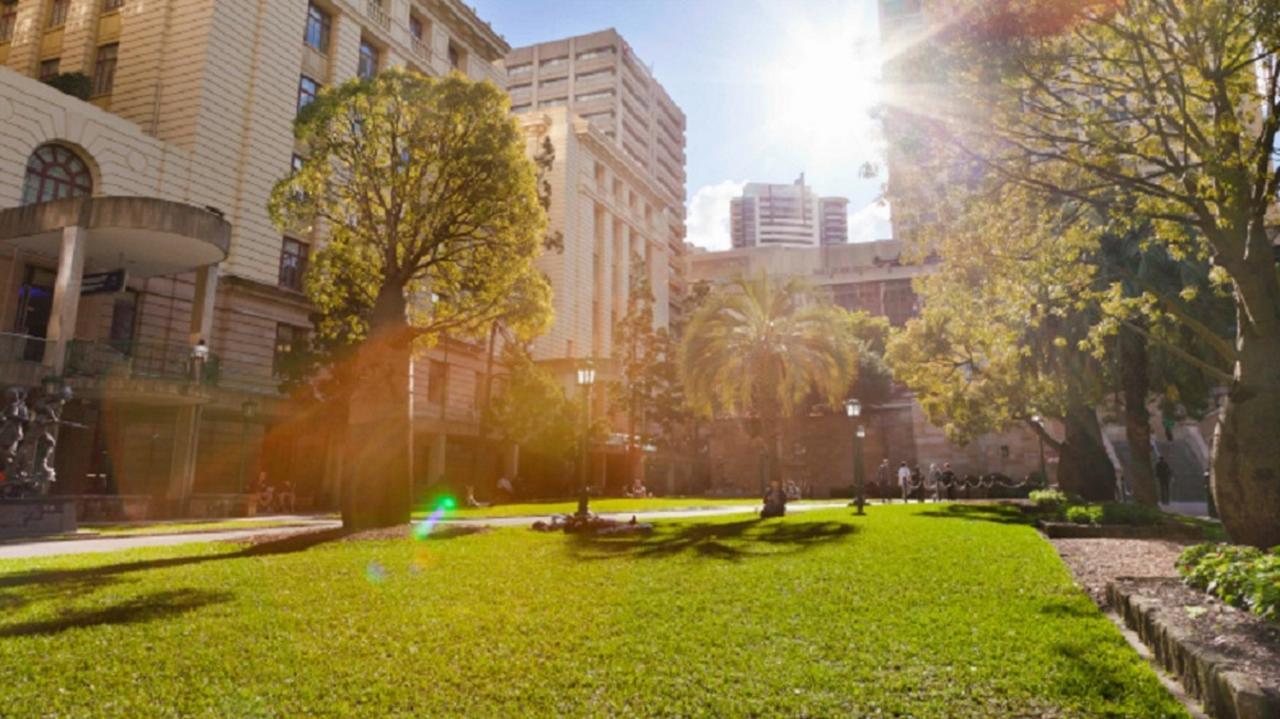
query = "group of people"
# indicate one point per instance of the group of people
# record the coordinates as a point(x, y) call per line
point(911, 481)
point(268, 499)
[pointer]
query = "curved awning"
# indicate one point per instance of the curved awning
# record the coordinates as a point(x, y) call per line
point(144, 235)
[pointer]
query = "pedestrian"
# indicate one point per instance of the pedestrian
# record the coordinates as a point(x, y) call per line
point(1208, 496)
point(882, 480)
point(904, 481)
point(935, 482)
point(917, 482)
point(1164, 475)
point(949, 480)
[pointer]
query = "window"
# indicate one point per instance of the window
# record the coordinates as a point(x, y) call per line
point(289, 339)
point(553, 84)
point(124, 319)
point(49, 68)
point(456, 57)
point(437, 376)
point(521, 108)
point(368, 66)
point(112, 5)
point(417, 29)
point(552, 102)
point(104, 69)
point(8, 18)
point(605, 72)
point(318, 25)
point(517, 70)
point(589, 96)
point(598, 52)
point(293, 263)
point(307, 91)
point(553, 62)
point(58, 13)
point(55, 172)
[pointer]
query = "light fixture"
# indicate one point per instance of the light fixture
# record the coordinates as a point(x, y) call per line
point(586, 375)
point(852, 408)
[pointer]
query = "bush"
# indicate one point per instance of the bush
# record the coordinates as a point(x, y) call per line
point(1047, 499)
point(1243, 577)
point(75, 84)
point(1083, 514)
point(1124, 513)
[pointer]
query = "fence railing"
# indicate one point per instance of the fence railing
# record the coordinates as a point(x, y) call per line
point(378, 14)
point(21, 348)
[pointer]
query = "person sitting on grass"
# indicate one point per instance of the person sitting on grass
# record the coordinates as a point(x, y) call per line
point(471, 500)
point(637, 490)
point(775, 501)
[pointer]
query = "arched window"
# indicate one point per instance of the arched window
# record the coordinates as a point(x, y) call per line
point(55, 172)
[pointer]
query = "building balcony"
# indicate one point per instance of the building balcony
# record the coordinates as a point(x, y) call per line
point(378, 14)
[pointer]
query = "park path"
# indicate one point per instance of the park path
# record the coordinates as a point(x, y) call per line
point(49, 548)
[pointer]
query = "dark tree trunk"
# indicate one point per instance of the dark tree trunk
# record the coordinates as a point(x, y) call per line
point(1084, 467)
point(1135, 383)
point(379, 433)
point(1246, 447)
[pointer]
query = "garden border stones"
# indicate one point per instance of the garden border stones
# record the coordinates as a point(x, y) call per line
point(1232, 672)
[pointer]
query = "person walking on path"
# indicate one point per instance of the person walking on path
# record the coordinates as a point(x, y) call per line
point(1164, 474)
point(935, 482)
point(904, 481)
point(883, 480)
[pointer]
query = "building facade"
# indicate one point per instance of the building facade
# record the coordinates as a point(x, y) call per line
point(599, 78)
point(186, 128)
point(768, 215)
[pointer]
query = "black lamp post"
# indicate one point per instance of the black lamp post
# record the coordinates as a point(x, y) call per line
point(586, 378)
point(248, 410)
point(853, 410)
point(1044, 474)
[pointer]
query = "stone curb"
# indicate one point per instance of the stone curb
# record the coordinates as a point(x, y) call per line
point(1207, 675)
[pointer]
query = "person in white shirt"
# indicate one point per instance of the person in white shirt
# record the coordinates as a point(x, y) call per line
point(904, 480)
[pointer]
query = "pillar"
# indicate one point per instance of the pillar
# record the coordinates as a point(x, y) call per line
point(182, 462)
point(202, 304)
point(66, 299)
point(436, 456)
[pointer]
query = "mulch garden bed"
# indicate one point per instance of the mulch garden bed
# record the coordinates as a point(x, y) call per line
point(1227, 658)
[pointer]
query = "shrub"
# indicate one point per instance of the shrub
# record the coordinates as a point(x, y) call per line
point(1123, 513)
point(75, 84)
point(1084, 514)
point(1047, 499)
point(1243, 577)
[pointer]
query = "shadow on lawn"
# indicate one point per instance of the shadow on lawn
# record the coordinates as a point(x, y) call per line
point(731, 541)
point(999, 513)
point(150, 607)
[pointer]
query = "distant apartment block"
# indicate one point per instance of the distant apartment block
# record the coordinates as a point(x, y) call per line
point(768, 215)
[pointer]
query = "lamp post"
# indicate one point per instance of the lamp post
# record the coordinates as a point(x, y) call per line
point(248, 410)
point(1039, 421)
point(586, 378)
point(853, 410)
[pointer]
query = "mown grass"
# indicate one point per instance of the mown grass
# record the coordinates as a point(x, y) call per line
point(921, 611)
point(136, 530)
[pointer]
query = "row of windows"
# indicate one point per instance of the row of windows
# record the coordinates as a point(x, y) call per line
point(319, 32)
point(104, 69)
point(58, 11)
point(525, 68)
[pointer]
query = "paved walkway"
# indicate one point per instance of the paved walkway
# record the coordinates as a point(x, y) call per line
point(49, 548)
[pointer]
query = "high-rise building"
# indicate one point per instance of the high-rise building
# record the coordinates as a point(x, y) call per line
point(164, 173)
point(599, 78)
point(792, 215)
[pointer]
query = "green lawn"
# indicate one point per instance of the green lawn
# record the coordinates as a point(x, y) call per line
point(921, 611)
point(134, 530)
point(604, 505)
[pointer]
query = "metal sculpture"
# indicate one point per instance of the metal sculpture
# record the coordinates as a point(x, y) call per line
point(29, 440)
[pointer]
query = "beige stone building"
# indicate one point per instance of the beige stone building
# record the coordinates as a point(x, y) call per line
point(164, 173)
point(598, 78)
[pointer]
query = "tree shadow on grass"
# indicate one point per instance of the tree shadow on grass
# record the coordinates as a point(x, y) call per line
point(998, 513)
point(731, 541)
point(146, 608)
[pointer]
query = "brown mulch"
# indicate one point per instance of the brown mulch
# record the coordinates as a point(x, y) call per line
point(1094, 562)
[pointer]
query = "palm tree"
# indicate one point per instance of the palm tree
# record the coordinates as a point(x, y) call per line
point(757, 348)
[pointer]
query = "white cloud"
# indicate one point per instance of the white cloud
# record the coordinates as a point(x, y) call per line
point(707, 223)
point(872, 222)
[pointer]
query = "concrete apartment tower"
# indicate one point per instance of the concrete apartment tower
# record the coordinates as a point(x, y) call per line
point(768, 215)
point(165, 172)
point(618, 185)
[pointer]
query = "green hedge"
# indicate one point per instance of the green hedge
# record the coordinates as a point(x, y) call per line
point(1243, 577)
point(1113, 513)
point(1047, 499)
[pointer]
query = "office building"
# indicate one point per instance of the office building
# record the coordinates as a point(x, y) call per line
point(768, 215)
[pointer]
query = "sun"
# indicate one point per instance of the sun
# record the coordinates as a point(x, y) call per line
point(822, 88)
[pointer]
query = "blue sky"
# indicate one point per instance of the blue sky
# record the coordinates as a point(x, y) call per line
point(770, 90)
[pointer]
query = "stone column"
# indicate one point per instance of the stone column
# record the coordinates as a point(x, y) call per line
point(66, 299)
point(436, 457)
point(182, 462)
point(202, 304)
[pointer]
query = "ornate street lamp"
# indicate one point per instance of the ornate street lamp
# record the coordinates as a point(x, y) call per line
point(586, 378)
point(853, 410)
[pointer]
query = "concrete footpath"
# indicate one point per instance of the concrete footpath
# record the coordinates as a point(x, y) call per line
point(49, 548)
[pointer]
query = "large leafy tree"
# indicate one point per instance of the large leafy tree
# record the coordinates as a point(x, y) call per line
point(1150, 111)
point(758, 347)
point(432, 221)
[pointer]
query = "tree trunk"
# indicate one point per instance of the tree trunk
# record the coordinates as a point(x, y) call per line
point(1084, 467)
point(1135, 383)
point(379, 436)
point(1246, 453)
